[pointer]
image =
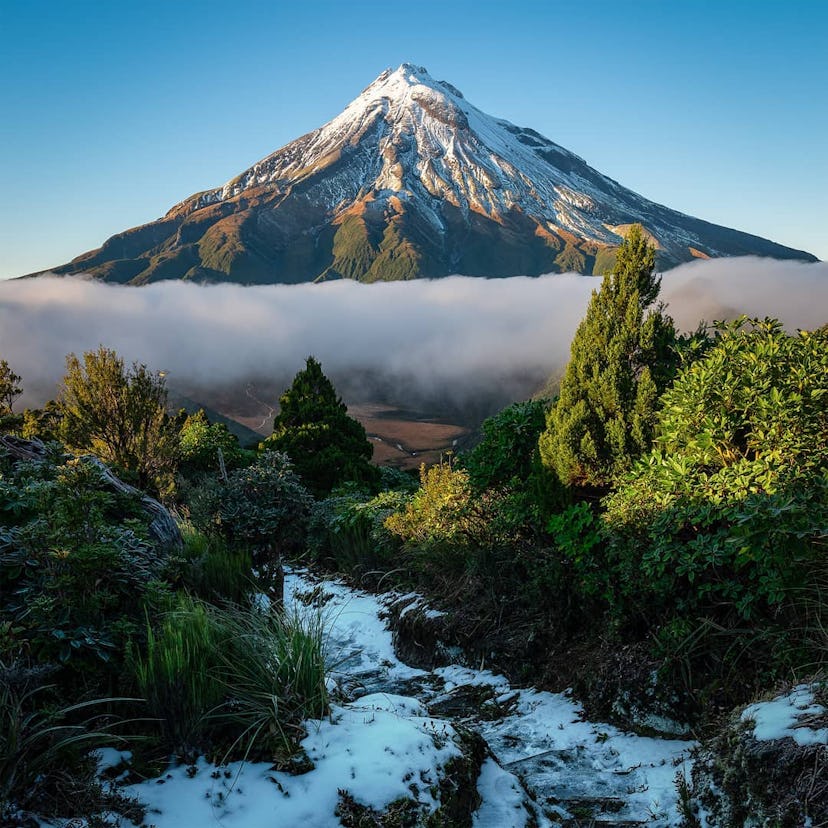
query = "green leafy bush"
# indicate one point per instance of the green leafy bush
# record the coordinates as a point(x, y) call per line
point(77, 566)
point(447, 529)
point(440, 511)
point(265, 507)
point(577, 535)
point(505, 454)
point(120, 415)
point(201, 442)
point(730, 507)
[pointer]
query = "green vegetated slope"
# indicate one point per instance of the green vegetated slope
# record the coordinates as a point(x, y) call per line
point(122, 626)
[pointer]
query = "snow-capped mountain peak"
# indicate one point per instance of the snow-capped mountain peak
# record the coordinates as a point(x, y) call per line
point(409, 180)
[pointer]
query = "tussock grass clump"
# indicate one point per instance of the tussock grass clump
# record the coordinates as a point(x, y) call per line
point(174, 672)
point(210, 569)
point(234, 678)
point(44, 748)
point(273, 671)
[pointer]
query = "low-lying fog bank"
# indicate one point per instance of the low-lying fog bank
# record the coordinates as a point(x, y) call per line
point(461, 340)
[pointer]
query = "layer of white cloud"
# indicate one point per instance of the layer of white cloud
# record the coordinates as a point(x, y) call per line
point(465, 334)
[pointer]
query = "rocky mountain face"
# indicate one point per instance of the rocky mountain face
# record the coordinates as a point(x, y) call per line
point(410, 180)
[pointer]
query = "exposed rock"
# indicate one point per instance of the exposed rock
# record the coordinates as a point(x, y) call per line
point(421, 636)
point(623, 685)
point(767, 767)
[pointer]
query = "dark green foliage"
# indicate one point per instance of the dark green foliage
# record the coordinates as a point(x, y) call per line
point(198, 501)
point(201, 442)
point(265, 507)
point(87, 598)
point(172, 672)
point(393, 479)
point(120, 415)
point(576, 532)
point(313, 428)
point(622, 359)
point(78, 572)
point(210, 569)
point(76, 567)
point(43, 750)
point(505, 456)
point(347, 531)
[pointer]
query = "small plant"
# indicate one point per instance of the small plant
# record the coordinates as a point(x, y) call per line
point(77, 569)
point(440, 510)
point(272, 666)
point(265, 507)
point(174, 672)
point(505, 456)
point(43, 747)
point(242, 677)
point(348, 531)
point(208, 568)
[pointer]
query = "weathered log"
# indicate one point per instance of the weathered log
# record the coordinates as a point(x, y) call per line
point(162, 524)
point(23, 449)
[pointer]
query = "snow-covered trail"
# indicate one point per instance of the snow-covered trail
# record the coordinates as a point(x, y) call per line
point(573, 767)
point(392, 731)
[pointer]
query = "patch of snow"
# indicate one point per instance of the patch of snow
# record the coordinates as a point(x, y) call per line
point(504, 801)
point(358, 641)
point(109, 757)
point(456, 676)
point(545, 738)
point(784, 717)
point(383, 745)
point(379, 749)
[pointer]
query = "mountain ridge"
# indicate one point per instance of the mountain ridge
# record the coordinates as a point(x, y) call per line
point(409, 180)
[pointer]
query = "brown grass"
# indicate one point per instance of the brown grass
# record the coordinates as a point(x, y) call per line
point(405, 438)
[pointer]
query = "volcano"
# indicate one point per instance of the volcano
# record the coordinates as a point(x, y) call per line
point(409, 181)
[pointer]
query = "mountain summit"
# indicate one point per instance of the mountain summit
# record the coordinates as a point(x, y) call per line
point(410, 180)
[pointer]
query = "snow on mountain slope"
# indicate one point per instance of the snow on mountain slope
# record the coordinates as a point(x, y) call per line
point(409, 180)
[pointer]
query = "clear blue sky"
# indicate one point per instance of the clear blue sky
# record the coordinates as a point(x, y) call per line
point(113, 111)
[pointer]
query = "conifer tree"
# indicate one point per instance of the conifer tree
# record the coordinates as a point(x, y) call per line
point(622, 359)
point(313, 428)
